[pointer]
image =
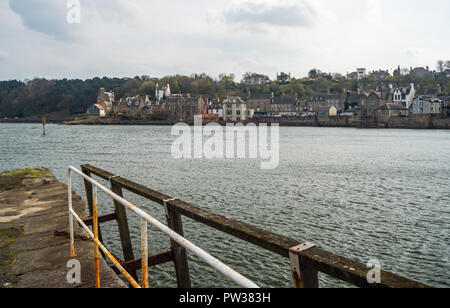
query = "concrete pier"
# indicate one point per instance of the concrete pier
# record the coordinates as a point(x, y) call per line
point(34, 242)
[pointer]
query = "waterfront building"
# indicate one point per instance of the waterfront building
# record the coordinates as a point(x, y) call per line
point(286, 104)
point(428, 105)
point(325, 101)
point(183, 108)
point(97, 110)
point(235, 109)
point(391, 110)
point(351, 101)
point(404, 96)
point(106, 100)
point(215, 108)
point(131, 106)
point(260, 103)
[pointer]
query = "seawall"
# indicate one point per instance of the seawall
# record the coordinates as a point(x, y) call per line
point(34, 242)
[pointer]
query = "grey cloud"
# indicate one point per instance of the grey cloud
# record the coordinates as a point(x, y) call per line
point(300, 14)
point(44, 16)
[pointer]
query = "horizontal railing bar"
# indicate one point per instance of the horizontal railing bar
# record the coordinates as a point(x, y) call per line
point(101, 219)
point(106, 252)
point(326, 262)
point(203, 255)
point(158, 259)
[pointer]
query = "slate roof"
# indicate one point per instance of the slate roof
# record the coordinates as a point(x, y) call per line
point(285, 100)
point(260, 96)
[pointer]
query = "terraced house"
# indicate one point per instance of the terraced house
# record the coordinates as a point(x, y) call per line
point(287, 104)
point(324, 105)
point(131, 106)
point(369, 103)
point(183, 108)
point(261, 103)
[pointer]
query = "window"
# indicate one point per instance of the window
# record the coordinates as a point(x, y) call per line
point(238, 112)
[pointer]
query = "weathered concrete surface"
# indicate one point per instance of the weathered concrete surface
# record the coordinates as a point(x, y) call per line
point(33, 205)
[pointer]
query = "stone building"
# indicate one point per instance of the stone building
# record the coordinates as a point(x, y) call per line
point(391, 110)
point(261, 103)
point(319, 102)
point(106, 100)
point(286, 104)
point(183, 108)
point(131, 106)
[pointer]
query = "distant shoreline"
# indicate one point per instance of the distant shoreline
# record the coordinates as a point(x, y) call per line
point(416, 122)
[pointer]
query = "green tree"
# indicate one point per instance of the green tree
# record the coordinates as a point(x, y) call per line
point(314, 73)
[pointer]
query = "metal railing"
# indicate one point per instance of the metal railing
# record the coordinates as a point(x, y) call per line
point(307, 259)
point(145, 219)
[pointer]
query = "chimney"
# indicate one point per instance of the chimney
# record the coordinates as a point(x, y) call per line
point(359, 91)
point(439, 90)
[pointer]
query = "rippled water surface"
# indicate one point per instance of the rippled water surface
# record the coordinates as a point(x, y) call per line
point(364, 194)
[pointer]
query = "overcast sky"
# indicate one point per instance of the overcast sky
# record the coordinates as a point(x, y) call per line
point(161, 37)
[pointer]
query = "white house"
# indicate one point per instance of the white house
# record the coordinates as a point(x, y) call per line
point(215, 109)
point(404, 96)
point(162, 94)
point(235, 109)
point(361, 73)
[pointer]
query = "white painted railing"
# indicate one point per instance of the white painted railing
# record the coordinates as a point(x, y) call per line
point(145, 219)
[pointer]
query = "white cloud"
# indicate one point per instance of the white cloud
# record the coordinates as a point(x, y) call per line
point(272, 13)
point(155, 37)
point(374, 12)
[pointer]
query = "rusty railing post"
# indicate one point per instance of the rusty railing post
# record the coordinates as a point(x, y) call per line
point(124, 230)
point(175, 223)
point(304, 276)
point(89, 194)
point(95, 227)
point(144, 253)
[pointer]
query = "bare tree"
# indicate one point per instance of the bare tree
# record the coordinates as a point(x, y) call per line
point(447, 65)
point(440, 66)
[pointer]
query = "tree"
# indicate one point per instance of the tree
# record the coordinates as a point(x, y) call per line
point(314, 73)
point(447, 65)
point(283, 78)
point(440, 66)
point(148, 87)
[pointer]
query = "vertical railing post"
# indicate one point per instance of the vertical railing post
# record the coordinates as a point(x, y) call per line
point(304, 276)
point(144, 253)
point(89, 193)
point(69, 191)
point(122, 222)
point(181, 263)
point(96, 250)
